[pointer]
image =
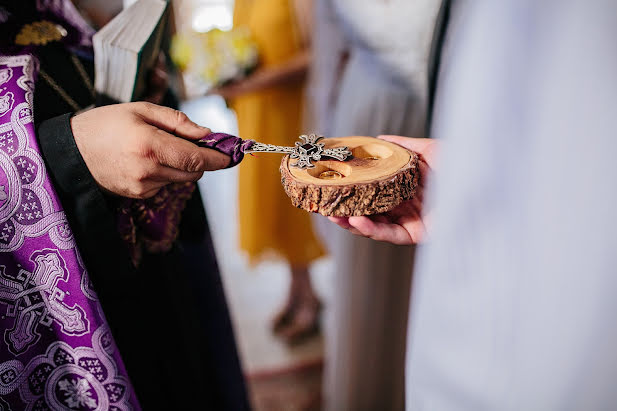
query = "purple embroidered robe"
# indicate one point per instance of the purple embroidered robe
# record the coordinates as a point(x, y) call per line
point(57, 350)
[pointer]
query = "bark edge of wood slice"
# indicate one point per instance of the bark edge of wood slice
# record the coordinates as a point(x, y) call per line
point(378, 177)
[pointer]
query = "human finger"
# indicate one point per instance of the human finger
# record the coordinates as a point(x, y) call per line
point(410, 216)
point(380, 218)
point(381, 231)
point(183, 155)
point(142, 188)
point(355, 231)
point(426, 147)
point(173, 121)
point(411, 143)
point(343, 222)
point(340, 221)
point(151, 193)
point(168, 174)
point(416, 228)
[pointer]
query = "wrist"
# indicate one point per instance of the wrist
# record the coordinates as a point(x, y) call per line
point(62, 155)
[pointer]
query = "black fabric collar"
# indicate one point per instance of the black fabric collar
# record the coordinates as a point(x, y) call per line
point(434, 62)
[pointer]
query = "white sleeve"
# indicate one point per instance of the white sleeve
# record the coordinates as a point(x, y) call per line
point(515, 295)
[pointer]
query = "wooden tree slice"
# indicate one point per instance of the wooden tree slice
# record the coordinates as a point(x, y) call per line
point(378, 177)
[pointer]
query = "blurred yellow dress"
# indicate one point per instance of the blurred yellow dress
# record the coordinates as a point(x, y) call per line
point(269, 224)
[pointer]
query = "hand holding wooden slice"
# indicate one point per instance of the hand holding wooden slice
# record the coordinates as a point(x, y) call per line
point(378, 177)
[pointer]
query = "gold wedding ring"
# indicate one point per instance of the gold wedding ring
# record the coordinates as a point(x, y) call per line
point(330, 175)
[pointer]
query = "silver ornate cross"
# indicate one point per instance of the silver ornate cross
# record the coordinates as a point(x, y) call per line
point(305, 151)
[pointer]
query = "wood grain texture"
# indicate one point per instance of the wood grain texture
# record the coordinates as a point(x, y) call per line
point(378, 177)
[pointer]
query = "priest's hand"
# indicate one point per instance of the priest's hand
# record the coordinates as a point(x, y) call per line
point(134, 149)
point(407, 223)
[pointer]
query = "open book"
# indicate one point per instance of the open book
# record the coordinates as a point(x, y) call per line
point(127, 47)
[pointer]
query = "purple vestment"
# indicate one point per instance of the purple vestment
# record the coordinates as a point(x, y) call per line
point(57, 350)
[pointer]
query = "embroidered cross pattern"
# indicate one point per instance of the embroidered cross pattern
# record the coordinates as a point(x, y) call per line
point(305, 151)
point(34, 299)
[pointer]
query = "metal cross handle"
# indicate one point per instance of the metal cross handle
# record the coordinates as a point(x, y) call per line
point(310, 149)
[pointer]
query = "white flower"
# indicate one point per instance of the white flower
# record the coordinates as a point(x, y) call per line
point(217, 56)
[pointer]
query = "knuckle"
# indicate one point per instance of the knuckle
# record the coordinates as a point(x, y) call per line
point(181, 117)
point(143, 173)
point(195, 162)
point(147, 105)
point(133, 191)
point(141, 106)
point(138, 190)
point(142, 146)
point(197, 176)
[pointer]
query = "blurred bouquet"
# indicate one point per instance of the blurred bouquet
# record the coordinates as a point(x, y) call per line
point(215, 57)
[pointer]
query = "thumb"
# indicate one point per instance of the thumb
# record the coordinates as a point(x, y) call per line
point(170, 120)
point(410, 143)
point(182, 155)
point(426, 147)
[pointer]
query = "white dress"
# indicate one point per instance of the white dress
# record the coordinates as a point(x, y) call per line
point(382, 90)
point(515, 294)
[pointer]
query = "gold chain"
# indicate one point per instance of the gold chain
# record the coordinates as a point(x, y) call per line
point(61, 92)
